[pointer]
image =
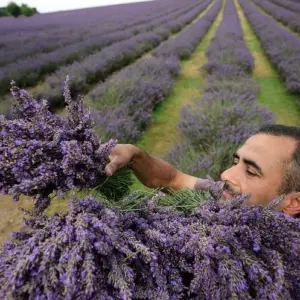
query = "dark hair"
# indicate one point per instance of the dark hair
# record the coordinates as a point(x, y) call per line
point(292, 176)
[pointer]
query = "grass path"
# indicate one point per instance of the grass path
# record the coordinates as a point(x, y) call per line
point(163, 132)
point(273, 94)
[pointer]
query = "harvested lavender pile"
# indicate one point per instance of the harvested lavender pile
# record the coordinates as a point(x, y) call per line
point(222, 250)
point(144, 248)
point(41, 152)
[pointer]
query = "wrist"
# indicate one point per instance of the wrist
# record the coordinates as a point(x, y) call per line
point(136, 152)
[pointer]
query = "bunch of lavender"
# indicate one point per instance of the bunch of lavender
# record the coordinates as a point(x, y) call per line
point(41, 152)
point(222, 250)
point(80, 255)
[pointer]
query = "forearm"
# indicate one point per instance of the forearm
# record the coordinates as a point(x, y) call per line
point(156, 173)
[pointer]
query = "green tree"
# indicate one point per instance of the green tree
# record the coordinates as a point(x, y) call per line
point(27, 11)
point(13, 9)
point(3, 12)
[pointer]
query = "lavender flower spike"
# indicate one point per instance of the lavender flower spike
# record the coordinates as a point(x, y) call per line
point(42, 153)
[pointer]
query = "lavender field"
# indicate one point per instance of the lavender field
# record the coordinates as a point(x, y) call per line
point(131, 61)
point(177, 78)
point(187, 81)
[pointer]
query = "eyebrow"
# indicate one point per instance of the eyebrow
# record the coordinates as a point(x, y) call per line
point(250, 163)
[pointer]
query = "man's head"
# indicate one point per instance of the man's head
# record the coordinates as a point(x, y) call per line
point(267, 166)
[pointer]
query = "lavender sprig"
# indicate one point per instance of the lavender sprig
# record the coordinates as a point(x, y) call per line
point(41, 153)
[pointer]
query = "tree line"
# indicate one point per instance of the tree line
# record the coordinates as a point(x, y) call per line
point(15, 10)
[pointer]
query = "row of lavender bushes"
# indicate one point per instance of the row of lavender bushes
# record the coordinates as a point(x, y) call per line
point(282, 46)
point(110, 17)
point(125, 103)
point(97, 67)
point(288, 4)
point(228, 113)
point(287, 17)
point(94, 35)
point(118, 18)
point(30, 70)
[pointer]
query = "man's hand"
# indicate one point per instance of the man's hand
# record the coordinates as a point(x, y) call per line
point(150, 170)
point(120, 157)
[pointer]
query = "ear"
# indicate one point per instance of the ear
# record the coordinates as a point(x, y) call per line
point(291, 203)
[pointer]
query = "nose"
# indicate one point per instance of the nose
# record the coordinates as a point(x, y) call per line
point(231, 176)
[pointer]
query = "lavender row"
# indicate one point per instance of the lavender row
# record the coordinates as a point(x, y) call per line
point(124, 104)
point(287, 17)
point(288, 4)
point(109, 16)
point(87, 22)
point(228, 113)
point(94, 37)
point(282, 46)
point(100, 65)
point(94, 40)
point(30, 70)
point(185, 43)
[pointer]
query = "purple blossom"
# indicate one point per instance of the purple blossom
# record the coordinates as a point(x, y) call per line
point(63, 153)
point(221, 250)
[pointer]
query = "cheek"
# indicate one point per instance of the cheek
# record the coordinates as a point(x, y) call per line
point(261, 192)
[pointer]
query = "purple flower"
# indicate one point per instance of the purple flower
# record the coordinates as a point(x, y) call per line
point(43, 153)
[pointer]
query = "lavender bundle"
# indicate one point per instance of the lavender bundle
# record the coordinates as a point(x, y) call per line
point(222, 250)
point(41, 153)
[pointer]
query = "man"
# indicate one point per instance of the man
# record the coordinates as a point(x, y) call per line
point(266, 166)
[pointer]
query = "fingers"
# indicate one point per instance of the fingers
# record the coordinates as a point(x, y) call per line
point(110, 169)
point(118, 159)
point(115, 164)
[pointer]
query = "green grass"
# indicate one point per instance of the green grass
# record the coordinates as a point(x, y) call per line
point(273, 94)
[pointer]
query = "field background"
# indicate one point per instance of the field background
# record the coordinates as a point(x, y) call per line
point(138, 65)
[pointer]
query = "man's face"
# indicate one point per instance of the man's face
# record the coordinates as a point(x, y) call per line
point(259, 167)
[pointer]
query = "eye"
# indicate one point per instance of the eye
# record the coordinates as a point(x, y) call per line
point(251, 173)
